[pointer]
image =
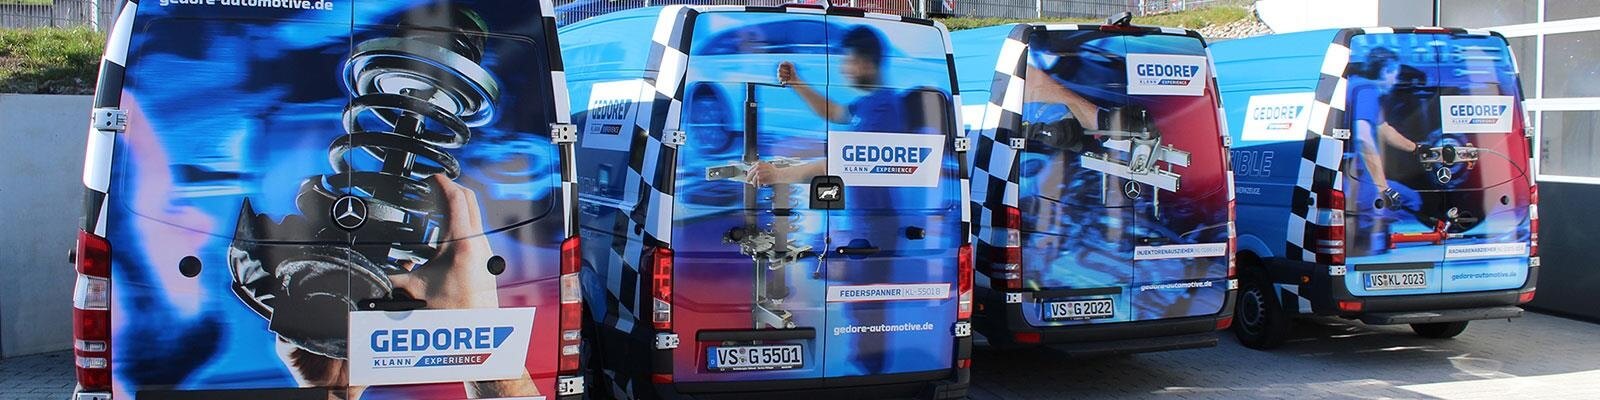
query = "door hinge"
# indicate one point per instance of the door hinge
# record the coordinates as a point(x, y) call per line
point(1019, 143)
point(563, 133)
point(109, 119)
point(666, 341)
point(674, 138)
point(962, 144)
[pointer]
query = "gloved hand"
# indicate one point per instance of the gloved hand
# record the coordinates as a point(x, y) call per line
point(1422, 151)
point(1391, 198)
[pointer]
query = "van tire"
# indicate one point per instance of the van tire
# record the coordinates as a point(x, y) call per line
point(1258, 320)
point(1439, 330)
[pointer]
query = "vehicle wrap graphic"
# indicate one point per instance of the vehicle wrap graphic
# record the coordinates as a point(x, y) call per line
point(719, 169)
point(309, 159)
point(1418, 129)
point(1438, 161)
point(1120, 181)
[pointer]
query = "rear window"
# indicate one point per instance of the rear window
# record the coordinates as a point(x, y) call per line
point(261, 116)
point(1434, 112)
point(732, 94)
point(1097, 101)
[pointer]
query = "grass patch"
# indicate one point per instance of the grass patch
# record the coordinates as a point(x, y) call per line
point(26, 2)
point(49, 60)
point(1191, 19)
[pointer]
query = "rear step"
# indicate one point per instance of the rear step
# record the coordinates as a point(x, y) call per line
point(1140, 345)
point(1423, 317)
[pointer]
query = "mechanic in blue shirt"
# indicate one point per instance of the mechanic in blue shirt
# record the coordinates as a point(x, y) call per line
point(1369, 91)
point(879, 111)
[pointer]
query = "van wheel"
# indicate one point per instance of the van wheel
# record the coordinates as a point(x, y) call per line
point(1439, 330)
point(1258, 321)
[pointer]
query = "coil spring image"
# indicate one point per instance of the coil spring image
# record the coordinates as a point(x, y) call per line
point(414, 97)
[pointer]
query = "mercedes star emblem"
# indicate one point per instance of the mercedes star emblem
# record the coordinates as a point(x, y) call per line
point(1131, 189)
point(1442, 174)
point(349, 212)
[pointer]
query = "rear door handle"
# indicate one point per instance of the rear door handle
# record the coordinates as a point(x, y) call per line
point(858, 250)
point(391, 304)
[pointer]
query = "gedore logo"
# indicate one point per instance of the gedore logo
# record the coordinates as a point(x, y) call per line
point(890, 154)
point(441, 339)
point(1167, 70)
point(1276, 112)
point(1477, 110)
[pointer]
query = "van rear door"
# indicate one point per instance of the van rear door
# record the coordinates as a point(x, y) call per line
point(1077, 212)
point(1488, 186)
point(894, 235)
point(206, 209)
point(1390, 201)
point(1181, 190)
point(748, 282)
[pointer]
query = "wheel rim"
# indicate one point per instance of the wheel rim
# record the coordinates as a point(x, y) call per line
point(1252, 311)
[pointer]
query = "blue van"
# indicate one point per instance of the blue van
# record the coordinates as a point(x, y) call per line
point(772, 201)
point(1382, 175)
point(329, 199)
point(1100, 187)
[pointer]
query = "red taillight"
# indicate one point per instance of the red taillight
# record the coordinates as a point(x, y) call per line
point(964, 282)
point(1027, 337)
point(1224, 322)
point(964, 363)
point(1011, 264)
point(661, 288)
point(661, 378)
point(91, 313)
point(94, 255)
point(1533, 221)
point(1350, 306)
point(1233, 241)
point(1328, 236)
point(1525, 297)
point(571, 341)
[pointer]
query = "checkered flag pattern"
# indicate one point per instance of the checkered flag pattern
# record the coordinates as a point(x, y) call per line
point(995, 170)
point(108, 95)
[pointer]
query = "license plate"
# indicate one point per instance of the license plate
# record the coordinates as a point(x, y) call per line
point(748, 358)
point(1080, 309)
point(1397, 280)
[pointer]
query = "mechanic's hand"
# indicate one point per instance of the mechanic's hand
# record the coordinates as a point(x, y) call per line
point(765, 174)
point(313, 370)
point(1422, 151)
point(458, 277)
point(787, 74)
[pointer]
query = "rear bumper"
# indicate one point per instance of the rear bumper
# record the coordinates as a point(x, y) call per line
point(82, 395)
point(942, 384)
point(1003, 321)
point(1324, 291)
point(1452, 315)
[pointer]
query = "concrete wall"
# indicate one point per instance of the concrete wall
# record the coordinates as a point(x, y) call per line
point(1285, 16)
point(41, 195)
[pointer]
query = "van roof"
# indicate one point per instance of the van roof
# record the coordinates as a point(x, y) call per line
point(1291, 55)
